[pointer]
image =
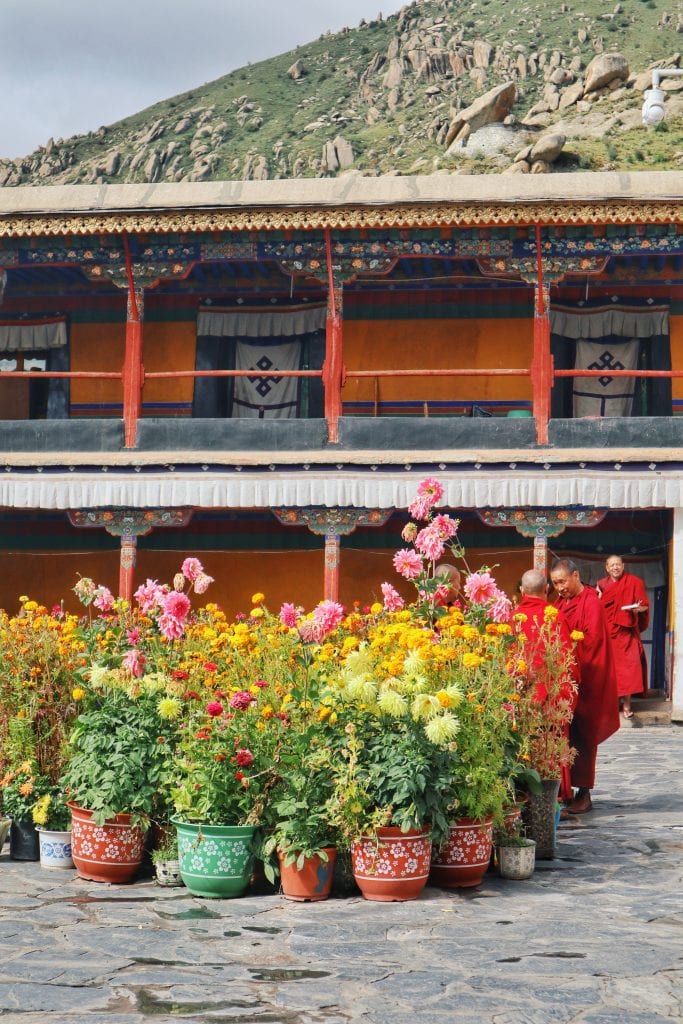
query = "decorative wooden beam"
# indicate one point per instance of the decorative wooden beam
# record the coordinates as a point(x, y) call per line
point(541, 523)
point(128, 524)
point(332, 524)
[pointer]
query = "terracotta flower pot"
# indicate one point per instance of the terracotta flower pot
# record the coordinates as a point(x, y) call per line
point(392, 867)
point(463, 859)
point(111, 852)
point(311, 882)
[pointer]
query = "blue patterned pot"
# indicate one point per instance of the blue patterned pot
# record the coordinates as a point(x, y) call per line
point(55, 849)
point(215, 860)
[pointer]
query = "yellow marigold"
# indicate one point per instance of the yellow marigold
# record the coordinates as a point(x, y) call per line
point(260, 725)
point(492, 628)
point(323, 713)
point(519, 617)
point(23, 599)
point(376, 607)
point(504, 629)
point(30, 606)
point(443, 698)
point(258, 598)
point(521, 666)
point(550, 612)
point(256, 613)
point(576, 634)
point(267, 712)
point(39, 810)
point(471, 660)
point(470, 633)
point(78, 693)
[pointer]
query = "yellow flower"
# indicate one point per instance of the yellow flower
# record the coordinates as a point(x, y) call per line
point(520, 617)
point(169, 708)
point(550, 612)
point(576, 634)
point(23, 599)
point(39, 811)
point(376, 607)
point(257, 598)
point(78, 693)
point(392, 703)
point(471, 660)
point(521, 666)
point(442, 728)
point(256, 613)
point(30, 606)
point(323, 713)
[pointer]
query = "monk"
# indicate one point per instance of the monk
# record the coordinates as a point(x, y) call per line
point(596, 715)
point(533, 588)
point(627, 608)
point(448, 576)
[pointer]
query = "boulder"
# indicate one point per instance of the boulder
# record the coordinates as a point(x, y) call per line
point(519, 167)
point(547, 149)
point(572, 94)
point(297, 70)
point(605, 68)
point(540, 167)
point(493, 106)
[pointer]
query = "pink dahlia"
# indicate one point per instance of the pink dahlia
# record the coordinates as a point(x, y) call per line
point(393, 602)
point(242, 700)
point(170, 627)
point(149, 595)
point(244, 757)
point(191, 569)
point(202, 583)
point(176, 605)
point(311, 631)
point(480, 587)
point(501, 609)
point(445, 526)
point(429, 542)
point(214, 708)
point(104, 599)
point(329, 614)
point(431, 489)
point(408, 564)
point(134, 662)
point(289, 613)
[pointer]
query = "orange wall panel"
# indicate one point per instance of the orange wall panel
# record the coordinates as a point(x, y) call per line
point(676, 336)
point(97, 347)
point(169, 346)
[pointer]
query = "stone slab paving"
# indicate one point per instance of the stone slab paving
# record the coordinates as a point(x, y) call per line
point(596, 936)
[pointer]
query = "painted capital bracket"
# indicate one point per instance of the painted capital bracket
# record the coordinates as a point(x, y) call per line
point(129, 522)
point(555, 268)
point(541, 523)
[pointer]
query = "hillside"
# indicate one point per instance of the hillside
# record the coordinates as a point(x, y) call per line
point(443, 84)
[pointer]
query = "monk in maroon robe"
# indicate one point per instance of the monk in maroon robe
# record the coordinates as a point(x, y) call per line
point(533, 602)
point(627, 608)
point(596, 715)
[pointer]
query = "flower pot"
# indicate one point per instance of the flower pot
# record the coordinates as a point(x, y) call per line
point(167, 872)
point(517, 862)
point(23, 841)
point(463, 859)
point(55, 849)
point(311, 882)
point(392, 867)
point(540, 814)
point(215, 860)
point(111, 852)
point(5, 824)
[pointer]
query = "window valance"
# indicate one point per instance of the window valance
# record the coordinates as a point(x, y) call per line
point(32, 335)
point(215, 322)
point(601, 322)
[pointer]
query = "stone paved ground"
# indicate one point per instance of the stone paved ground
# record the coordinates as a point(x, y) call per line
point(595, 936)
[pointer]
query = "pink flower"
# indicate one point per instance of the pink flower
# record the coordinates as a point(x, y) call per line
point(409, 533)
point(261, 683)
point(170, 627)
point(191, 569)
point(214, 708)
point(149, 595)
point(85, 590)
point(431, 489)
point(242, 700)
point(134, 661)
point(104, 599)
point(176, 605)
point(445, 526)
point(442, 594)
point(393, 602)
point(311, 631)
point(289, 613)
point(480, 587)
point(244, 757)
point(501, 609)
point(420, 508)
point(430, 543)
point(202, 583)
point(133, 635)
point(408, 564)
point(329, 614)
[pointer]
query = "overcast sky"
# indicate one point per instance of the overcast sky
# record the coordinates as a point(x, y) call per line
point(69, 66)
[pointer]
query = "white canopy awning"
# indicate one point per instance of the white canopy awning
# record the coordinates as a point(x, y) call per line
point(471, 489)
point(260, 323)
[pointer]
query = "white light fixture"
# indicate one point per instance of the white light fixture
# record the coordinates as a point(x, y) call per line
point(653, 105)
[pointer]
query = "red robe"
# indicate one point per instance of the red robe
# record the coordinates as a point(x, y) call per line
point(596, 715)
point(625, 628)
point(533, 608)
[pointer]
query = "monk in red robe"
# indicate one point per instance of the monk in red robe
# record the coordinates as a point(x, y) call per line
point(596, 715)
point(627, 608)
point(533, 589)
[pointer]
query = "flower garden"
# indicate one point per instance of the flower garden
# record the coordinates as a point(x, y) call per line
point(375, 735)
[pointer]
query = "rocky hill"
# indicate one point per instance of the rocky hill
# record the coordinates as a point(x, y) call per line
point(461, 85)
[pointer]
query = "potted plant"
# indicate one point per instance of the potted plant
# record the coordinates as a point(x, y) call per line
point(165, 861)
point(112, 777)
point(20, 788)
point(515, 853)
point(52, 818)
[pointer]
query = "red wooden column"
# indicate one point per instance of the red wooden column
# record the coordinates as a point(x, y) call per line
point(333, 368)
point(332, 524)
point(542, 360)
point(133, 372)
point(128, 524)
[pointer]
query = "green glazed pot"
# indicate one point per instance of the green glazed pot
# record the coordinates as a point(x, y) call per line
point(216, 861)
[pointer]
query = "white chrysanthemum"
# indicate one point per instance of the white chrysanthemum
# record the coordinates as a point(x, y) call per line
point(154, 682)
point(456, 695)
point(426, 705)
point(414, 664)
point(362, 690)
point(392, 703)
point(441, 729)
point(359, 663)
point(100, 675)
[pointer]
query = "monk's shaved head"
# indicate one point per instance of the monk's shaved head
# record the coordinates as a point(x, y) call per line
point(534, 583)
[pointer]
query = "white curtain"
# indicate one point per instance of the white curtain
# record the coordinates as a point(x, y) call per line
point(266, 395)
point(32, 337)
point(605, 395)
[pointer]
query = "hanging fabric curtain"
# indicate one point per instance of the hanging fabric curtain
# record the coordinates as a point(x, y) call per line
point(264, 340)
point(47, 338)
point(611, 337)
point(32, 335)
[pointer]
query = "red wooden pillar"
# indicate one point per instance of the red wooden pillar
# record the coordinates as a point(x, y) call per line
point(542, 360)
point(331, 580)
point(133, 372)
point(333, 369)
point(129, 545)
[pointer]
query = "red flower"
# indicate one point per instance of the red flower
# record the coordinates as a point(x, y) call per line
point(210, 666)
point(261, 683)
point(178, 673)
point(540, 693)
point(219, 757)
point(239, 776)
point(201, 734)
point(214, 708)
point(191, 695)
point(244, 758)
